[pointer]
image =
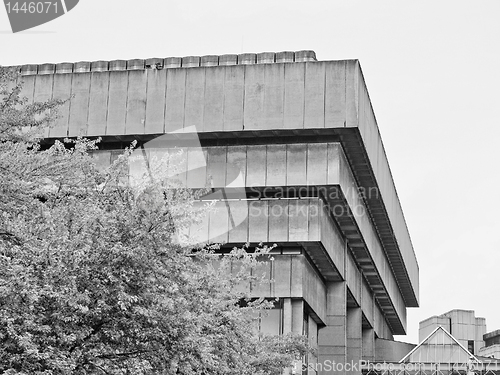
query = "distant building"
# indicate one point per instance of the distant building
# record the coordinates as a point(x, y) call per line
point(441, 353)
point(450, 344)
point(463, 325)
point(492, 345)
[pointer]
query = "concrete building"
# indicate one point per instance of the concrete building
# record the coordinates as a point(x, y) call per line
point(465, 327)
point(439, 353)
point(491, 346)
point(299, 137)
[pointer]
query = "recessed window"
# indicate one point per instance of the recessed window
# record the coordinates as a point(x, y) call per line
point(470, 346)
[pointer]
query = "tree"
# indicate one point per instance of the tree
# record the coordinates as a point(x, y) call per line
point(92, 278)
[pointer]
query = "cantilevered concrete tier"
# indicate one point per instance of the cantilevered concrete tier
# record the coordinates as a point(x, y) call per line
point(273, 174)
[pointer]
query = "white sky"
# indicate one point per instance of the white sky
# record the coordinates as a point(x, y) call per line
point(433, 73)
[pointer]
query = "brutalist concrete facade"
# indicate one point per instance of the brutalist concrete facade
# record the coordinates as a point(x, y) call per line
point(302, 136)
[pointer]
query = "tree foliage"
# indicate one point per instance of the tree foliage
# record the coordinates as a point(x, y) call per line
point(92, 278)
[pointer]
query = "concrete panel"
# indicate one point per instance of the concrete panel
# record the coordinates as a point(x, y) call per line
point(276, 162)
point(79, 106)
point(274, 95)
point(471, 332)
point(216, 166)
point(315, 215)
point(237, 161)
point(294, 99)
point(314, 109)
point(62, 90)
point(378, 322)
point(298, 223)
point(155, 101)
point(117, 103)
point(334, 150)
point(335, 98)
point(333, 242)
point(213, 112)
point(332, 339)
point(351, 92)
point(98, 104)
point(43, 90)
point(480, 328)
point(314, 290)
point(353, 277)
point(136, 102)
point(316, 164)
point(287, 315)
point(256, 166)
point(28, 88)
point(196, 172)
point(367, 301)
point(354, 335)
point(298, 316)
point(282, 279)
point(219, 222)
point(240, 233)
point(278, 221)
point(368, 345)
point(234, 88)
point(195, 98)
point(313, 342)
point(175, 99)
point(254, 97)
point(297, 271)
point(258, 228)
point(296, 164)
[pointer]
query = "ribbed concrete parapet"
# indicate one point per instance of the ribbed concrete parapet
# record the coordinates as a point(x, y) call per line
point(171, 62)
point(136, 64)
point(117, 65)
point(228, 60)
point(99, 66)
point(28, 70)
point(46, 69)
point(82, 67)
point(285, 57)
point(210, 60)
point(64, 68)
point(190, 61)
point(247, 59)
point(266, 57)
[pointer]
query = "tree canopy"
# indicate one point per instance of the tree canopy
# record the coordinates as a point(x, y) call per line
point(92, 278)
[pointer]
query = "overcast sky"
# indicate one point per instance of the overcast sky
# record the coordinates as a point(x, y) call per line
point(433, 73)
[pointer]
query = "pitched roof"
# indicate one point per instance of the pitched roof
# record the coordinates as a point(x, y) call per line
point(439, 347)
